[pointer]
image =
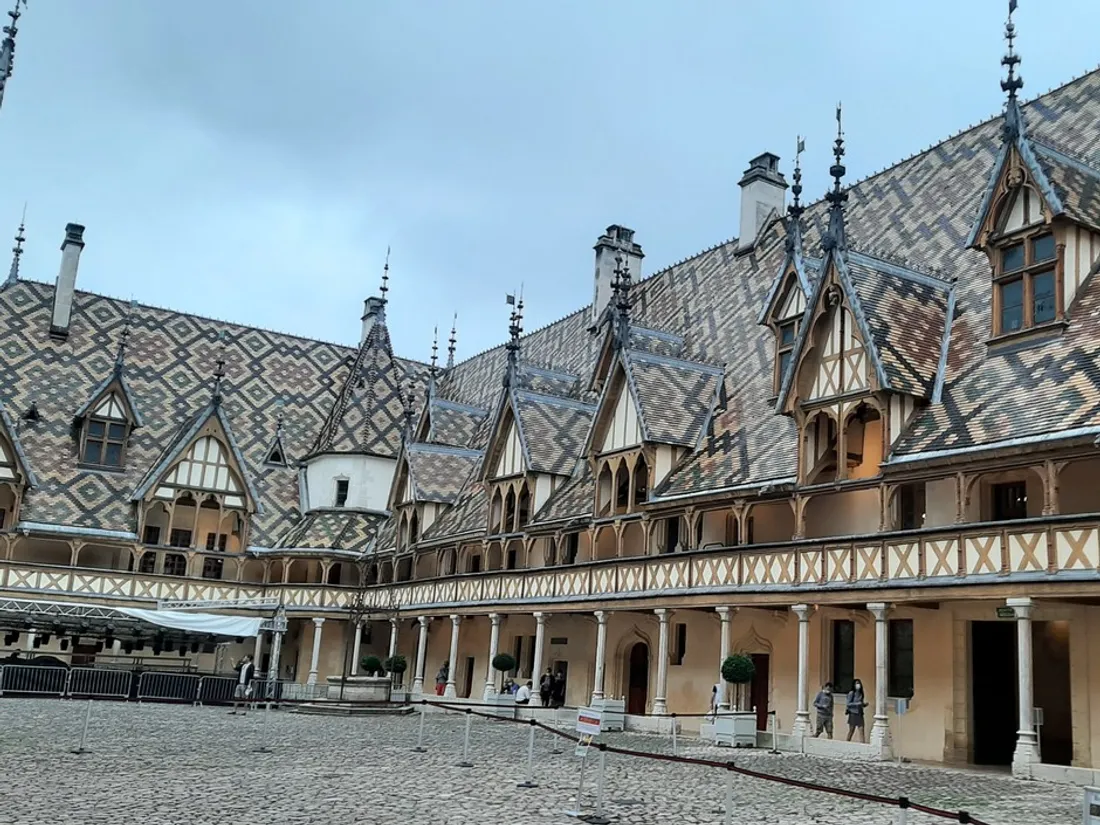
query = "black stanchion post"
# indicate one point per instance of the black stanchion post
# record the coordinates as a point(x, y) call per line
point(964, 817)
point(530, 781)
point(729, 793)
point(466, 763)
point(420, 736)
point(903, 810)
point(84, 734)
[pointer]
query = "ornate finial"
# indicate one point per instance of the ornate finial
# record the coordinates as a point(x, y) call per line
point(435, 352)
point(621, 298)
point(1013, 126)
point(219, 369)
point(410, 407)
point(796, 208)
point(515, 329)
point(7, 47)
point(451, 342)
point(124, 338)
point(835, 235)
point(280, 413)
point(17, 250)
point(385, 288)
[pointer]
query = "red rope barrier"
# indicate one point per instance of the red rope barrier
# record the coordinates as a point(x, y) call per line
point(957, 816)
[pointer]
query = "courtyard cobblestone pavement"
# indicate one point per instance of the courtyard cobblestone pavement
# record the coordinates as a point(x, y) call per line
point(168, 764)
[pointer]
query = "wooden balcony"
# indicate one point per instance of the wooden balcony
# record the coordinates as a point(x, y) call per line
point(1049, 550)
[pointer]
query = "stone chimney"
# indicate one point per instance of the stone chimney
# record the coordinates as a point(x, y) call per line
point(616, 240)
point(374, 309)
point(763, 188)
point(65, 289)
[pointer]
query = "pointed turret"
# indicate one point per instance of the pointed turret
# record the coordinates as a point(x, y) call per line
point(515, 329)
point(452, 342)
point(7, 47)
point(1011, 85)
point(374, 308)
point(621, 301)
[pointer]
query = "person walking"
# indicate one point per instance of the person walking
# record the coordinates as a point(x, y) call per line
point(559, 689)
point(242, 692)
point(441, 679)
point(546, 687)
point(855, 705)
point(714, 702)
point(823, 704)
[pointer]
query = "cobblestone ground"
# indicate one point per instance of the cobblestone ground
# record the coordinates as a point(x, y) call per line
point(171, 764)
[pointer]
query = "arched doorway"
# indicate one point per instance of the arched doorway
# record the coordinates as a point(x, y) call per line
point(637, 679)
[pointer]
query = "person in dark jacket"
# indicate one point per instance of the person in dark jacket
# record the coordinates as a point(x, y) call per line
point(242, 692)
point(823, 704)
point(558, 694)
point(546, 687)
point(854, 707)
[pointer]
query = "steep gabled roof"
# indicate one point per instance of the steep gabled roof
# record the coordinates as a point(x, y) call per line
point(451, 423)
point(656, 380)
point(469, 515)
point(438, 472)
point(337, 529)
point(572, 502)
point(185, 436)
point(19, 459)
point(115, 382)
point(552, 429)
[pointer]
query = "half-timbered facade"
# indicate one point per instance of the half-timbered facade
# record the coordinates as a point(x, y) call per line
point(858, 442)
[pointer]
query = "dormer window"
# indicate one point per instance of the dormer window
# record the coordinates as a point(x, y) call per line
point(105, 431)
point(1025, 284)
point(784, 349)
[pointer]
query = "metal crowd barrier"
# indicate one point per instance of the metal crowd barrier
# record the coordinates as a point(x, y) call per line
point(217, 690)
point(168, 687)
point(88, 682)
point(31, 680)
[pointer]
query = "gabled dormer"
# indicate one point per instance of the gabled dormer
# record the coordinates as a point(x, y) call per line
point(15, 472)
point(428, 481)
point(1038, 223)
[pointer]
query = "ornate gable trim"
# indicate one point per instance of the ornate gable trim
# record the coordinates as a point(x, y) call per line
point(19, 459)
point(117, 385)
point(506, 415)
point(1016, 166)
point(211, 421)
point(616, 383)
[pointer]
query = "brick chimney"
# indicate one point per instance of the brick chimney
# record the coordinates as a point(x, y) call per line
point(65, 288)
point(763, 188)
point(615, 241)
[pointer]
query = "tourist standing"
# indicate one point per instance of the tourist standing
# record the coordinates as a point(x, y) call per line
point(558, 693)
point(854, 707)
point(546, 687)
point(823, 704)
point(441, 679)
point(242, 692)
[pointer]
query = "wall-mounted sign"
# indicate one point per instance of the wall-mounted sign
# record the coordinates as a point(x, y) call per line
point(1006, 613)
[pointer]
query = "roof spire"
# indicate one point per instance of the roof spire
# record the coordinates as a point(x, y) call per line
point(410, 409)
point(515, 329)
point(385, 288)
point(219, 370)
point(7, 47)
point(435, 352)
point(17, 250)
point(451, 342)
point(1014, 122)
point(124, 338)
point(796, 208)
point(620, 286)
point(834, 237)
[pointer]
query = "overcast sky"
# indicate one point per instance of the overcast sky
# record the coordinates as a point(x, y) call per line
point(252, 159)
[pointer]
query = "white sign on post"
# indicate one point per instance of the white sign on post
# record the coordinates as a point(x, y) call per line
point(589, 722)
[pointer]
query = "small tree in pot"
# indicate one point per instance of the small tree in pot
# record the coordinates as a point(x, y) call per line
point(738, 670)
point(397, 666)
point(504, 663)
point(372, 666)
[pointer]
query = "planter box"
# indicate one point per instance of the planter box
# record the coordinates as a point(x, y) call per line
point(612, 712)
point(360, 688)
point(735, 729)
point(502, 705)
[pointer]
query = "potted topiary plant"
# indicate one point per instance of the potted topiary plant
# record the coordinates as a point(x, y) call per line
point(502, 663)
point(738, 726)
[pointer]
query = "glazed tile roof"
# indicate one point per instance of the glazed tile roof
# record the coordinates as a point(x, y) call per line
point(439, 472)
point(655, 380)
point(573, 501)
point(343, 529)
point(454, 424)
point(469, 515)
point(1076, 183)
point(552, 430)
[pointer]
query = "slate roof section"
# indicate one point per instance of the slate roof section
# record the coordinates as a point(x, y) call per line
point(906, 315)
point(453, 424)
point(12, 434)
point(470, 515)
point(342, 529)
point(572, 502)
point(553, 430)
point(439, 472)
point(675, 397)
point(1076, 183)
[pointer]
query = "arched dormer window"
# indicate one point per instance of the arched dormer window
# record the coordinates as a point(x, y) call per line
point(104, 433)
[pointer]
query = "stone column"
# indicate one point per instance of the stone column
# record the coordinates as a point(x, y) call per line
point(1027, 747)
point(31, 635)
point(494, 643)
point(355, 648)
point(660, 700)
point(452, 659)
point(802, 726)
point(601, 652)
point(257, 650)
point(318, 623)
point(421, 655)
point(880, 727)
point(723, 654)
point(540, 640)
point(393, 638)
